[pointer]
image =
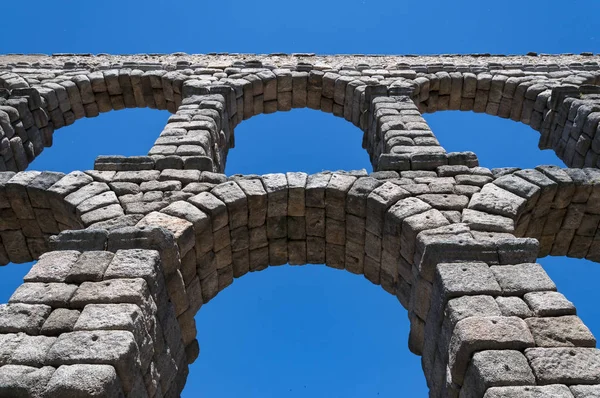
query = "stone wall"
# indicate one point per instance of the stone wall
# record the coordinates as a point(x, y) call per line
point(129, 252)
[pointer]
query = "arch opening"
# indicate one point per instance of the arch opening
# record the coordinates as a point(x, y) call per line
point(497, 142)
point(300, 140)
point(303, 331)
point(128, 132)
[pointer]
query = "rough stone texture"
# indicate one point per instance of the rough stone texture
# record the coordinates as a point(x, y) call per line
point(81, 381)
point(553, 391)
point(565, 365)
point(496, 368)
point(130, 251)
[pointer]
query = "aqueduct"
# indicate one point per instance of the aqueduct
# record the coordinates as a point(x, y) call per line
point(130, 251)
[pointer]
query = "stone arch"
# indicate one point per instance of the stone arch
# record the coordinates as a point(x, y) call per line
point(32, 112)
point(563, 108)
point(558, 207)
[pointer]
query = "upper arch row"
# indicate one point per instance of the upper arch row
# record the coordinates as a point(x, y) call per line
point(553, 94)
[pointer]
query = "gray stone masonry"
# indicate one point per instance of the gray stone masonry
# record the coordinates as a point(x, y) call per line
point(130, 251)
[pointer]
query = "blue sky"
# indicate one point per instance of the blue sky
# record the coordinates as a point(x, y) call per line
point(306, 331)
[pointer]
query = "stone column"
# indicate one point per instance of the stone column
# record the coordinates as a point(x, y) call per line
point(197, 137)
point(94, 323)
point(398, 138)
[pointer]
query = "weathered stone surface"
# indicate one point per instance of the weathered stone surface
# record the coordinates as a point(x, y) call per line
point(24, 381)
point(82, 381)
point(565, 365)
point(53, 294)
point(496, 368)
point(61, 320)
point(457, 279)
point(495, 200)
point(549, 304)
point(52, 267)
point(585, 391)
point(552, 391)
point(116, 348)
point(27, 318)
point(522, 278)
point(32, 350)
point(513, 306)
point(90, 266)
point(562, 331)
point(481, 333)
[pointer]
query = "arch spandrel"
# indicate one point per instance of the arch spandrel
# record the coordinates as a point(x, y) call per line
point(154, 238)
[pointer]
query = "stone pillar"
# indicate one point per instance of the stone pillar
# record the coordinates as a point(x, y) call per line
point(398, 138)
point(93, 323)
point(197, 137)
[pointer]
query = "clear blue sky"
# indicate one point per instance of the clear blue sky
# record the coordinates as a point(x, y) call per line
point(306, 331)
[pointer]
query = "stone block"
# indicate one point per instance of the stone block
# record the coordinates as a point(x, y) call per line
point(457, 279)
point(481, 221)
point(214, 207)
point(335, 195)
point(24, 381)
point(516, 280)
point(90, 266)
point(485, 333)
point(257, 201)
point(32, 350)
point(52, 294)
point(234, 198)
point(585, 391)
point(52, 267)
point(552, 391)
point(83, 381)
point(565, 365)
point(61, 320)
point(495, 200)
point(116, 348)
point(549, 304)
point(562, 331)
point(182, 230)
point(495, 368)
point(513, 306)
point(277, 194)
